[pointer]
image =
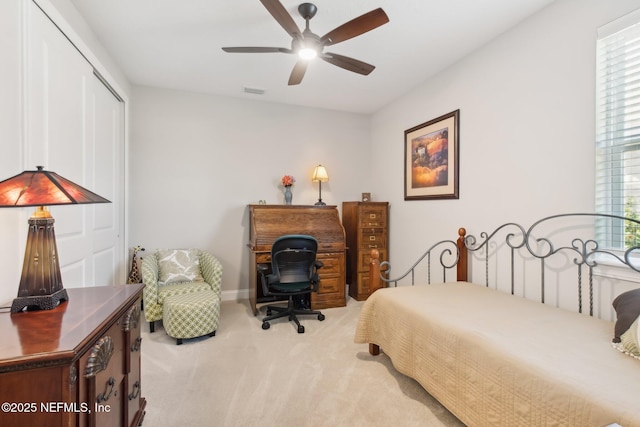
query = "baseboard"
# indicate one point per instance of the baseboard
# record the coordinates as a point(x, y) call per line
point(237, 295)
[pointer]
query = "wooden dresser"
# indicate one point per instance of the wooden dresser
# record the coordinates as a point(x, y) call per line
point(366, 227)
point(75, 365)
point(268, 222)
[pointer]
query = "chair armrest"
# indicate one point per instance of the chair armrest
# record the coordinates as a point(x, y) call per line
point(150, 272)
point(265, 278)
point(211, 270)
point(319, 264)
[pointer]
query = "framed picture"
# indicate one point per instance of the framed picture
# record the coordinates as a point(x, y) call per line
point(431, 159)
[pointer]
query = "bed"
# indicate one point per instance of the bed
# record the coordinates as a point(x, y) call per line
point(494, 355)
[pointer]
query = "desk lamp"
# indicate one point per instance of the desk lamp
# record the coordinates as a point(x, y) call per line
point(320, 176)
point(41, 282)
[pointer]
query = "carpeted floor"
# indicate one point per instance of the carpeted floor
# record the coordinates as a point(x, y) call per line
point(246, 376)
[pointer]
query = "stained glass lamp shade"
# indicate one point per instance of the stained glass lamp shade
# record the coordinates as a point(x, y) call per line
point(41, 282)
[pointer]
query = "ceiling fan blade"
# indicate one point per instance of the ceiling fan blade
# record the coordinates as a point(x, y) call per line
point(256, 49)
point(280, 14)
point(298, 72)
point(348, 63)
point(355, 27)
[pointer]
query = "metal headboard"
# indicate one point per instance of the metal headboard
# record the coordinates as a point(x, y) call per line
point(584, 252)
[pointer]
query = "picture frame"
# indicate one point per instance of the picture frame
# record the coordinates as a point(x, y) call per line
point(432, 159)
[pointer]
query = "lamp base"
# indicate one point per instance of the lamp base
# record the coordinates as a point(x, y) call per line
point(39, 302)
point(320, 203)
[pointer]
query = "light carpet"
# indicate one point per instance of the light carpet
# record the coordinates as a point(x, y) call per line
point(246, 376)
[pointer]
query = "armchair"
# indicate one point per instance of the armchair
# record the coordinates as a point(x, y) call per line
point(168, 273)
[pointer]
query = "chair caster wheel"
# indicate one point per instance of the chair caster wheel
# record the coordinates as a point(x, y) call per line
point(301, 329)
point(265, 325)
point(321, 317)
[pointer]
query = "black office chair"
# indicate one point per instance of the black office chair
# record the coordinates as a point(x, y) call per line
point(294, 273)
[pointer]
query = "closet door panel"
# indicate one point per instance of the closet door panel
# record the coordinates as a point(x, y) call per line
point(74, 127)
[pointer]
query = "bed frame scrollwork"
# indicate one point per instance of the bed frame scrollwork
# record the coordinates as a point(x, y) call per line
point(545, 239)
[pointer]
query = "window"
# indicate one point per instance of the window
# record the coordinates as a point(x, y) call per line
point(618, 130)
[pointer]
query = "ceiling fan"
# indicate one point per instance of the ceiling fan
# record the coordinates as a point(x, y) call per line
point(308, 45)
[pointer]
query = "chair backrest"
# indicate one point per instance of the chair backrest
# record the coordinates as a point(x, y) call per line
point(293, 258)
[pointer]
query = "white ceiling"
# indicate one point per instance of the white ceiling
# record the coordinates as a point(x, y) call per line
point(177, 44)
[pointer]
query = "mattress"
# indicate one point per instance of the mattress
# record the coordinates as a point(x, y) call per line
point(494, 359)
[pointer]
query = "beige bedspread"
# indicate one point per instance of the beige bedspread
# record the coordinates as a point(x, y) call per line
point(499, 360)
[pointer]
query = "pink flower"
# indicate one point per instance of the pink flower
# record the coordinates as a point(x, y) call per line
point(288, 180)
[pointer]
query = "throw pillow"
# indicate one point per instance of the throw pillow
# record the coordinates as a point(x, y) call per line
point(178, 265)
point(630, 340)
point(627, 306)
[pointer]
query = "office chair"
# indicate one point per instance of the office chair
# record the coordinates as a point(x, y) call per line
point(294, 273)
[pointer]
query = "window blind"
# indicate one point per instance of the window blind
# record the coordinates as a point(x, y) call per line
point(618, 130)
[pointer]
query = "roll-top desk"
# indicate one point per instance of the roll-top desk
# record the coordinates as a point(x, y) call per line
point(268, 222)
point(75, 365)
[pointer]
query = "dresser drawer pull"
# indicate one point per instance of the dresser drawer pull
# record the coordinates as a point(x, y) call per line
point(372, 238)
point(136, 391)
point(136, 347)
point(373, 246)
point(103, 397)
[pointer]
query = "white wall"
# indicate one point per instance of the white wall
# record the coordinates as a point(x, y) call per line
point(527, 129)
point(199, 160)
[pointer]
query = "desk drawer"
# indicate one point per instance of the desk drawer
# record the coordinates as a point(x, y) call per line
point(331, 292)
point(333, 264)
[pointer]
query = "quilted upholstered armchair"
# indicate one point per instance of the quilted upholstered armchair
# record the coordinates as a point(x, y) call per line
point(171, 272)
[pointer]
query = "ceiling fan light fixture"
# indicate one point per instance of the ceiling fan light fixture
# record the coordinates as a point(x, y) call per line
point(307, 53)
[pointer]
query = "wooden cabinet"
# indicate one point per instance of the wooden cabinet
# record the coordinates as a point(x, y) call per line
point(75, 365)
point(366, 228)
point(268, 222)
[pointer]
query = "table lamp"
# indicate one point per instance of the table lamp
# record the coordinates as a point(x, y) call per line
point(320, 176)
point(41, 282)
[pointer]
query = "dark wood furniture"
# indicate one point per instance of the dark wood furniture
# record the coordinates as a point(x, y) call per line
point(268, 222)
point(75, 365)
point(366, 228)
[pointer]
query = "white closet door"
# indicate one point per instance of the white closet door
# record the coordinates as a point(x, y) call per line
point(74, 127)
